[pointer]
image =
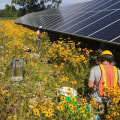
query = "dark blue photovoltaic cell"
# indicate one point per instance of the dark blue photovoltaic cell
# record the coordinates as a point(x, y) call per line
point(108, 33)
point(72, 8)
point(98, 3)
point(86, 22)
point(100, 24)
point(47, 20)
point(36, 24)
point(106, 5)
point(116, 6)
point(92, 6)
point(70, 21)
point(63, 10)
point(117, 40)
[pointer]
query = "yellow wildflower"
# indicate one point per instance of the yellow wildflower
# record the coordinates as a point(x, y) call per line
point(84, 115)
point(35, 104)
point(45, 79)
point(48, 114)
point(83, 100)
point(7, 94)
point(74, 112)
point(10, 103)
point(70, 106)
point(61, 80)
point(50, 110)
point(43, 110)
point(55, 66)
point(85, 62)
point(50, 103)
point(107, 116)
point(79, 49)
point(21, 91)
point(66, 78)
point(62, 98)
point(69, 94)
point(78, 43)
point(69, 89)
point(73, 99)
point(57, 85)
point(36, 111)
point(9, 117)
point(115, 100)
point(2, 92)
point(81, 110)
point(15, 118)
point(60, 108)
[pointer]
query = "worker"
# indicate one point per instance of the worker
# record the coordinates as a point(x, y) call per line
point(103, 75)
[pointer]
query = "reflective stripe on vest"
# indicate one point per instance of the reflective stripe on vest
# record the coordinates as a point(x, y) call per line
point(115, 79)
point(105, 80)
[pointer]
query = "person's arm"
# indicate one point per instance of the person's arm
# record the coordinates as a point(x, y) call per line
point(91, 78)
point(118, 77)
point(91, 84)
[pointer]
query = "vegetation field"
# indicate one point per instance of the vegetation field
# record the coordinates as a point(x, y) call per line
point(55, 76)
point(8, 18)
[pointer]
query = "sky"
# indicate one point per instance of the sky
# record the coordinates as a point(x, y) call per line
point(64, 2)
point(3, 2)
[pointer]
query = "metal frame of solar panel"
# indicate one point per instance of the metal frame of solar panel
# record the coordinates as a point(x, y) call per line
point(96, 19)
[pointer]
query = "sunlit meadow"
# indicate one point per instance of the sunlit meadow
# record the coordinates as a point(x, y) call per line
point(57, 65)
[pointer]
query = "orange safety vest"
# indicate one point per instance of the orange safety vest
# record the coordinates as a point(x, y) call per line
point(109, 76)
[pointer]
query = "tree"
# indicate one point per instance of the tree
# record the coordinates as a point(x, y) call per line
point(29, 5)
point(7, 7)
point(25, 2)
point(21, 12)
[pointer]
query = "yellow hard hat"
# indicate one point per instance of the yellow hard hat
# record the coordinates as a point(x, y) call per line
point(106, 52)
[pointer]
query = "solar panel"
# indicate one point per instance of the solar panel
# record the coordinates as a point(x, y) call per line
point(101, 22)
point(109, 32)
point(88, 21)
point(99, 19)
point(70, 21)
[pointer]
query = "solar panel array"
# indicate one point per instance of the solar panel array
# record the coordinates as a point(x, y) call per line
point(98, 19)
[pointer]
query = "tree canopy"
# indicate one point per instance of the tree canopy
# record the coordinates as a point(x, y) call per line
point(25, 2)
point(29, 5)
